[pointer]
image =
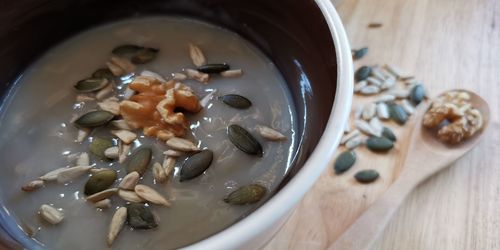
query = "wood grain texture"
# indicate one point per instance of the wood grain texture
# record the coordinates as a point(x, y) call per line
point(447, 44)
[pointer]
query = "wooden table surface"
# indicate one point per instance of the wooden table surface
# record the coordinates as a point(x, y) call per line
point(447, 44)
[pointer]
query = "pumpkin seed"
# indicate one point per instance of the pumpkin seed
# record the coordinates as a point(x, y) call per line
point(362, 73)
point(243, 140)
point(213, 68)
point(50, 214)
point(379, 144)
point(246, 195)
point(387, 133)
point(144, 55)
point(100, 181)
point(126, 49)
point(129, 181)
point(398, 114)
point(116, 225)
point(417, 94)
point(151, 195)
point(104, 194)
point(103, 73)
point(366, 176)
point(139, 160)
point(359, 53)
point(94, 118)
point(99, 145)
point(196, 164)
point(344, 161)
point(32, 185)
point(236, 101)
point(139, 216)
point(91, 84)
point(374, 25)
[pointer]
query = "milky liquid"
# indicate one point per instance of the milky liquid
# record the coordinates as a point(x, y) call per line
point(36, 136)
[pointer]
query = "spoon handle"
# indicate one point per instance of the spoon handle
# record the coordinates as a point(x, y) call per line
point(367, 228)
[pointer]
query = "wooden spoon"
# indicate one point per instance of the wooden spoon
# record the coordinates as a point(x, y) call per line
point(426, 155)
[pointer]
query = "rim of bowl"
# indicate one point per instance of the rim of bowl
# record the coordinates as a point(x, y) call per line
point(322, 156)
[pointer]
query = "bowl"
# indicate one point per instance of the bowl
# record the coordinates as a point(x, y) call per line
point(305, 39)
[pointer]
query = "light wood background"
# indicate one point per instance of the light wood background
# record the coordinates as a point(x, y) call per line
point(447, 44)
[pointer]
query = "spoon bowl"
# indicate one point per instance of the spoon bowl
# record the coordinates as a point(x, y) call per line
point(425, 156)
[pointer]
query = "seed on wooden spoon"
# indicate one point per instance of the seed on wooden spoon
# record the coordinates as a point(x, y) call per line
point(344, 161)
point(366, 176)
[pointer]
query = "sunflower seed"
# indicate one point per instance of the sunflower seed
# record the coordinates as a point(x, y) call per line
point(347, 128)
point(123, 150)
point(116, 224)
point(195, 165)
point(382, 111)
point(50, 214)
point(417, 94)
point(100, 181)
point(101, 195)
point(179, 76)
point(197, 55)
point(362, 73)
point(232, 73)
point(130, 196)
point(159, 173)
point(139, 160)
point(168, 165)
point(52, 175)
point(83, 159)
point(213, 68)
point(354, 142)
point(129, 181)
point(379, 74)
point(358, 111)
point(111, 153)
point(173, 153)
point(236, 101)
point(377, 126)
point(94, 119)
point(82, 134)
point(121, 124)
point(243, 140)
point(389, 83)
point(374, 81)
point(393, 71)
point(387, 133)
point(103, 204)
point(359, 85)
point(96, 170)
point(32, 185)
point(359, 53)
point(144, 55)
point(206, 99)
point(349, 136)
point(366, 176)
point(385, 98)
point(125, 136)
point(181, 144)
point(399, 93)
point(110, 105)
point(91, 84)
point(105, 92)
point(246, 195)
point(84, 98)
point(72, 173)
point(139, 216)
point(99, 145)
point(407, 106)
point(270, 133)
point(103, 73)
point(364, 127)
point(197, 75)
point(369, 111)
point(120, 66)
point(344, 161)
point(379, 144)
point(370, 90)
point(151, 195)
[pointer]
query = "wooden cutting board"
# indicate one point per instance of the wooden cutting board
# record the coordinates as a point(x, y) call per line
point(446, 44)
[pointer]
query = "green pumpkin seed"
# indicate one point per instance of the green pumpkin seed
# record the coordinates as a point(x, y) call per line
point(94, 119)
point(362, 73)
point(100, 181)
point(417, 94)
point(99, 145)
point(213, 68)
point(103, 73)
point(91, 84)
point(243, 140)
point(144, 55)
point(379, 144)
point(236, 101)
point(344, 161)
point(246, 195)
point(127, 49)
point(139, 160)
point(387, 133)
point(398, 114)
point(196, 164)
point(359, 53)
point(139, 216)
point(366, 176)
